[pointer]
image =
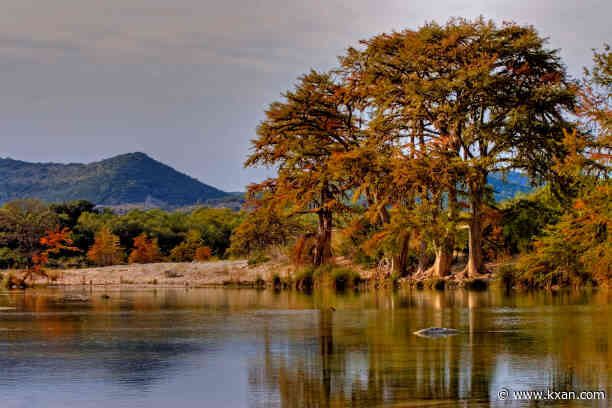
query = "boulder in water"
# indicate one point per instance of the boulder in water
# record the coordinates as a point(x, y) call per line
point(172, 274)
point(433, 332)
point(75, 298)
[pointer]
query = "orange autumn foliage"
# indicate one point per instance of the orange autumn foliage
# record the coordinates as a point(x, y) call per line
point(105, 250)
point(202, 254)
point(145, 250)
point(55, 242)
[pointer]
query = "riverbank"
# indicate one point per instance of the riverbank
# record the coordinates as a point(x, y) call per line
point(215, 273)
point(238, 273)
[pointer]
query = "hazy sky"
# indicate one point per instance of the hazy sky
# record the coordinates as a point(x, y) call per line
point(187, 81)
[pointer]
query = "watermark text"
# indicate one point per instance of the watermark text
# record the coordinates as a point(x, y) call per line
point(506, 394)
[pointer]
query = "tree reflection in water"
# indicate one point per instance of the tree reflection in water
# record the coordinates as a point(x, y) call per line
point(292, 349)
point(368, 356)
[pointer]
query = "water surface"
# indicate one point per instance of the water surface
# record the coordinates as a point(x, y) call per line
point(180, 347)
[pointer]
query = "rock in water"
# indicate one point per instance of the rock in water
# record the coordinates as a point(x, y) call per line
point(433, 332)
point(172, 274)
point(75, 298)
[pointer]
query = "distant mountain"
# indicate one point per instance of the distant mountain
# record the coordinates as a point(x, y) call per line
point(132, 178)
point(135, 180)
point(507, 187)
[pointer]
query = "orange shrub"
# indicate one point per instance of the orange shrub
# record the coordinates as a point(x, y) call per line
point(202, 254)
point(145, 250)
point(105, 250)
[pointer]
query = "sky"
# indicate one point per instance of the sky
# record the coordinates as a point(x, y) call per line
point(187, 81)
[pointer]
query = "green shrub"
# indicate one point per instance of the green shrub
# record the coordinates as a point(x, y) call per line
point(257, 259)
point(277, 282)
point(6, 281)
point(304, 278)
point(342, 277)
point(11, 259)
point(507, 276)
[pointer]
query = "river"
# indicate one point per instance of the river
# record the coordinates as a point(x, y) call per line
point(184, 347)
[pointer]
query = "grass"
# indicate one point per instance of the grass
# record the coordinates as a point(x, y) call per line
point(257, 259)
point(344, 278)
point(304, 278)
point(339, 277)
point(309, 277)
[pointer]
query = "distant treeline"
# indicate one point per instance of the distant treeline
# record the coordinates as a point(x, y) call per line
point(101, 237)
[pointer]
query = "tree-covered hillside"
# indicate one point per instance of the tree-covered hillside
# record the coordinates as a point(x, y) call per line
point(505, 188)
point(127, 178)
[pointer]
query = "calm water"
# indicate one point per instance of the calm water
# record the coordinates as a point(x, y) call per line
point(247, 348)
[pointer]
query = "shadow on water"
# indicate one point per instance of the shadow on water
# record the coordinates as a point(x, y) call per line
point(257, 348)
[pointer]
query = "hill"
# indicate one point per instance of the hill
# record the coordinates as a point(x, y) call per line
point(132, 178)
point(507, 187)
point(135, 180)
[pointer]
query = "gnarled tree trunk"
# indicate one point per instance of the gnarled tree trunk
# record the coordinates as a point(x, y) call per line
point(423, 258)
point(444, 247)
point(444, 260)
point(475, 265)
point(400, 261)
point(323, 250)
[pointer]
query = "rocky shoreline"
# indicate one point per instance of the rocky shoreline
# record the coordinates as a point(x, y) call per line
point(226, 273)
point(167, 273)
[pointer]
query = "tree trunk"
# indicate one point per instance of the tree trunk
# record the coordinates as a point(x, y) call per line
point(475, 264)
point(323, 251)
point(442, 265)
point(423, 258)
point(400, 261)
